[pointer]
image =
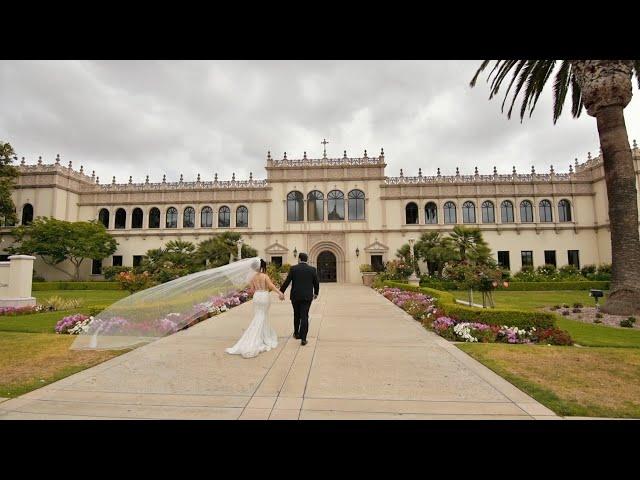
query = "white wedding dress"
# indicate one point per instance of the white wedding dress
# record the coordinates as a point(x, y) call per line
point(259, 336)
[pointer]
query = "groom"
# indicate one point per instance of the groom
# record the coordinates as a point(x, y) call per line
point(304, 290)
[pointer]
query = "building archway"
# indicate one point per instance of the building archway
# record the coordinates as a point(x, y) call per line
point(329, 259)
point(327, 267)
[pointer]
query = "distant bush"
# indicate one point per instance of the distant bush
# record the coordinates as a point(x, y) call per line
point(42, 286)
point(628, 322)
point(110, 273)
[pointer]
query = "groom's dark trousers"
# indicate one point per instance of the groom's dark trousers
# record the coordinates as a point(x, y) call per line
point(304, 286)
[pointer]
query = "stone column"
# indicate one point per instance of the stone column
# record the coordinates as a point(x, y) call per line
point(20, 277)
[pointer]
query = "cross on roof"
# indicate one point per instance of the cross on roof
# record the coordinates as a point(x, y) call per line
point(324, 142)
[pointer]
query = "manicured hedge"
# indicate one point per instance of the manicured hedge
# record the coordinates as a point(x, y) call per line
point(39, 286)
point(492, 316)
point(531, 286)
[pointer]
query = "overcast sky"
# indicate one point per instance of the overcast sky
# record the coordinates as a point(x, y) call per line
point(153, 117)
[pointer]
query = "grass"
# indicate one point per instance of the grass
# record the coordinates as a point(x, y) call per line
point(32, 360)
point(572, 381)
point(532, 300)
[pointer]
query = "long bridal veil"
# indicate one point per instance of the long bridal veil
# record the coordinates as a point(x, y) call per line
point(162, 310)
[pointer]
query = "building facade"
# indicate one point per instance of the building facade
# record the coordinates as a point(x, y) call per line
point(344, 212)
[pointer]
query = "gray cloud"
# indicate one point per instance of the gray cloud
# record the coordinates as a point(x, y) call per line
point(154, 117)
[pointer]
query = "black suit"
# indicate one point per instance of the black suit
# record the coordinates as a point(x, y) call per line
point(305, 284)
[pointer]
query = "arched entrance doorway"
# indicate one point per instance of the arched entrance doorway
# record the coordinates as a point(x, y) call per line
point(327, 267)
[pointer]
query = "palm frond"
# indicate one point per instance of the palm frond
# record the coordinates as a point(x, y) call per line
point(544, 69)
point(636, 67)
point(523, 78)
point(483, 65)
point(576, 98)
point(560, 89)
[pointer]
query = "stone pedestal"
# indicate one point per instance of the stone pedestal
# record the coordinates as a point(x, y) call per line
point(414, 280)
point(17, 291)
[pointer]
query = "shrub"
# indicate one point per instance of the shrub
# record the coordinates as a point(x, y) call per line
point(597, 320)
point(583, 284)
point(38, 287)
point(588, 270)
point(397, 270)
point(565, 313)
point(366, 268)
point(285, 268)
point(72, 324)
point(578, 305)
point(599, 315)
point(576, 310)
point(628, 322)
point(110, 273)
point(134, 282)
point(553, 336)
point(555, 307)
point(604, 268)
point(546, 270)
point(274, 274)
point(437, 283)
point(58, 303)
point(568, 270)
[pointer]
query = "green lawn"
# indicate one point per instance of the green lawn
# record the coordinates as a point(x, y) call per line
point(532, 300)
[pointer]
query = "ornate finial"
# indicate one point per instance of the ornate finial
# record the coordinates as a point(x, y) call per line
point(285, 155)
point(552, 170)
point(635, 145)
point(39, 160)
point(269, 155)
point(495, 170)
point(533, 169)
point(305, 155)
point(513, 170)
point(181, 178)
point(457, 172)
point(570, 168)
point(22, 162)
point(251, 176)
point(365, 153)
point(69, 165)
point(81, 168)
point(98, 180)
point(419, 172)
point(476, 172)
point(57, 159)
point(215, 177)
point(164, 178)
point(113, 181)
point(233, 177)
point(93, 174)
point(324, 142)
point(588, 155)
point(401, 174)
point(198, 178)
point(345, 154)
point(130, 180)
point(382, 152)
point(438, 171)
point(146, 180)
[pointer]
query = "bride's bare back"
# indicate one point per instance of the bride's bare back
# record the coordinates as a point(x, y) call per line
point(262, 282)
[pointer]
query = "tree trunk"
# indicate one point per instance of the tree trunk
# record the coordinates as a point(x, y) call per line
point(624, 297)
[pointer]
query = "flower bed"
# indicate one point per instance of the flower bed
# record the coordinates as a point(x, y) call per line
point(170, 323)
point(424, 308)
point(10, 311)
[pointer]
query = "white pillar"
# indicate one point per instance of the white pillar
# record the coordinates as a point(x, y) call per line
point(20, 277)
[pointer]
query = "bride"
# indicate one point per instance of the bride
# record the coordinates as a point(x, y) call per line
point(259, 336)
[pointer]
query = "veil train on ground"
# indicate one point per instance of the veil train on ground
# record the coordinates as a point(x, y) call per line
point(164, 309)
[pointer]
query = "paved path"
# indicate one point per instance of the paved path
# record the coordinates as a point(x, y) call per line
point(366, 359)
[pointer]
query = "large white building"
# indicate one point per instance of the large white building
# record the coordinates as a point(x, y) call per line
point(343, 212)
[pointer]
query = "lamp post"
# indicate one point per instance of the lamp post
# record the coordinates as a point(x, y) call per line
point(413, 279)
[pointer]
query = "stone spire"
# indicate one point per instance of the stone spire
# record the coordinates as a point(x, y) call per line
point(146, 180)
point(457, 172)
point(113, 181)
point(495, 170)
point(533, 170)
point(198, 179)
point(365, 153)
point(130, 179)
point(164, 178)
point(39, 160)
point(551, 170)
point(57, 159)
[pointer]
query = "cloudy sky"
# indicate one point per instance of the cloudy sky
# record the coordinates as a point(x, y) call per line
point(153, 117)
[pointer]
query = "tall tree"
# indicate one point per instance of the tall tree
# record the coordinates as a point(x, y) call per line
point(604, 89)
point(219, 250)
point(8, 175)
point(435, 250)
point(470, 244)
point(56, 241)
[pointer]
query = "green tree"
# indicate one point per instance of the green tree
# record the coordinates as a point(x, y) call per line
point(604, 89)
point(219, 250)
point(175, 260)
point(8, 175)
point(56, 241)
point(470, 244)
point(435, 249)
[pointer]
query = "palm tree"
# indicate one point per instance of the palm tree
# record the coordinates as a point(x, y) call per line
point(435, 250)
point(470, 244)
point(604, 88)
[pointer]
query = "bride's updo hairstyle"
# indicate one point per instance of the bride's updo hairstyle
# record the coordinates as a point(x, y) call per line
point(263, 266)
point(259, 265)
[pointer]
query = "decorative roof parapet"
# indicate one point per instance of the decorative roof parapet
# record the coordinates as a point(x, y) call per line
point(495, 178)
point(326, 162)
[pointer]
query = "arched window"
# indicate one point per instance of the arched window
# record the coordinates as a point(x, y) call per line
point(430, 213)
point(242, 217)
point(335, 205)
point(526, 211)
point(224, 217)
point(356, 205)
point(189, 218)
point(468, 212)
point(27, 214)
point(206, 217)
point(545, 211)
point(4, 222)
point(295, 207)
point(564, 211)
point(103, 217)
point(411, 213)
point(172, 217)
point(315, 206)
point(136, 218)
point(154, 218)
point(488, 212)
point(450, 212)
point(506, 212)
point(121, 218)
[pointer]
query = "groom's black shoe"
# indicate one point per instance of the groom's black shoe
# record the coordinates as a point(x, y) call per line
point(303, 342)
point(296, 336)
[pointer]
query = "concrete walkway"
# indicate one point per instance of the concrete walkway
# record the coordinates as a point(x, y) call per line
point(366, 359)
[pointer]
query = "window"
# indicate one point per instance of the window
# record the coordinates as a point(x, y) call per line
point(503, 259)
point(527, 258)
point(4, 258)
point(136, 218)
point(550, 257)
point(121, 218)
point(564, 211)
point(117, 261)
point(449, 212)
point(526, 211)
point(574, 258)
point(103, 217)
point(545, 211)
point(335, 205)
point(137, 260)
point(96, 267)
point(224, 217)
point(506, 212)
point(295, 207)
point(154, 218)
point(172, 217)
point(242, 217)
point(377, 263)
point(488, 212)
point(356, 205)
point(206, 217)
point(7, 223)
point(189, 218)
point(277, 261)
point(27, 214)
point(315, 206)
point(411, 213)
point(430, 213)
point(468, 212)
